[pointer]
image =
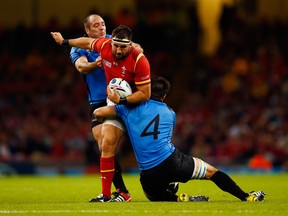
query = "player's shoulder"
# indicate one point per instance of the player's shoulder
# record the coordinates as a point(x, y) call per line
point(103, 39)
point(136, 54)
point(169, 108)
point(103, 42)
point(163, 105)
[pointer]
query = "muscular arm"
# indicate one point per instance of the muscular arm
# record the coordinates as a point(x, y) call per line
point(142, 94)
point(104, 112)
point(83, 42)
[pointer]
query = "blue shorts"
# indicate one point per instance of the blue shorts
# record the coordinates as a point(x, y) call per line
point(94, 122)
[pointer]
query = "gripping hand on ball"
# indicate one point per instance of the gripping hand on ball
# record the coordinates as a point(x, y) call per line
point(113, 95)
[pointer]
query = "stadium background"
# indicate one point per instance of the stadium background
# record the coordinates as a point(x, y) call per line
point(226, 60)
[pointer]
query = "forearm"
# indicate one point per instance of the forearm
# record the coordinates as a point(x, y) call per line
point(104, 112)
point(142, 94)
point(82, 42)
point(138, 97)
point(87, 67)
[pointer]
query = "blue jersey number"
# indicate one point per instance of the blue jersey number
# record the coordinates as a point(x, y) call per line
point(155, 132)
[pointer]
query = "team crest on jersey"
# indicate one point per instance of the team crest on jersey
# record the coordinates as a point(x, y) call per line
point(108, 64)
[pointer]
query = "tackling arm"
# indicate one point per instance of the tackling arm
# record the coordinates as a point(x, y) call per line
point(85, 67)
point(104, 112)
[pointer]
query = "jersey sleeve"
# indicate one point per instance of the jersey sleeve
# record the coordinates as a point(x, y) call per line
point(76, 53)
point(142, 71)
point(99, 43)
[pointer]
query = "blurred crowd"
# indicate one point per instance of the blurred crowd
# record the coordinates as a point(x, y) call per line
point(236, 102)
point(236, 112)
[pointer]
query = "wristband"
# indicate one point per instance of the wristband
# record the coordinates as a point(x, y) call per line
point(65, 43)
point(123, 101)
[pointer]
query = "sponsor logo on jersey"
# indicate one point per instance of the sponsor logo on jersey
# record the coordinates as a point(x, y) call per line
point(108, 64)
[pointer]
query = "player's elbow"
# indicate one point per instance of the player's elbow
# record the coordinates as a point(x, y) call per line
point(97, 115)
point(82, 69)
point(143, 93)
point(147, 96)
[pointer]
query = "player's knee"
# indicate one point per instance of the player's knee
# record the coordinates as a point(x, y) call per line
point(210, 171)
point(108, 146)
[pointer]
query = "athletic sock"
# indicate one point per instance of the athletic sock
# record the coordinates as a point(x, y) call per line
point(118, 179)
point(225, 183)
point(107, 172)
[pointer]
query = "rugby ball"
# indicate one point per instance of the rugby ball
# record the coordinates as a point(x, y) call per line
point(122, 87)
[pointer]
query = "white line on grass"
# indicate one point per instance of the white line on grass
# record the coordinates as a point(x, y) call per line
point(126, 211)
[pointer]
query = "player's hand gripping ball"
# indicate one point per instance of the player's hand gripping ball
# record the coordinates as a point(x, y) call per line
point(122, 87)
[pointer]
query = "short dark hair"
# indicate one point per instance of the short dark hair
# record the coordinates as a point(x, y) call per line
point(122, 32)
point(159, 87)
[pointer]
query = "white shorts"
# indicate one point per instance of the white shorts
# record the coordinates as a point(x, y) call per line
point(115, 121)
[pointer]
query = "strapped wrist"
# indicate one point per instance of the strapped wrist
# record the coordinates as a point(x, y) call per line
point(65, 43)
point(123, 101)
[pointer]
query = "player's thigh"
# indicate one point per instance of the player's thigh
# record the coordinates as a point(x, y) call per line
point(111, 136)
point(96, 131)
point(112, 129)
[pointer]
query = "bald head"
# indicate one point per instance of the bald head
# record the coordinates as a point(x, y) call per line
point(95, 26)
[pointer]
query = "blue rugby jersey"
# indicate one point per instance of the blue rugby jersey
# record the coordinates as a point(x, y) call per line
point(150, 127)
point(96, 81)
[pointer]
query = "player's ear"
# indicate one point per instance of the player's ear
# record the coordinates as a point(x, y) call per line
point(87, 31)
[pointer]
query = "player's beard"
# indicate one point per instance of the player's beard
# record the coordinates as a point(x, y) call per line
point(119, 55)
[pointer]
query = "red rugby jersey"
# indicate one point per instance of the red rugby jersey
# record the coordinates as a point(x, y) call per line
point(135, 68)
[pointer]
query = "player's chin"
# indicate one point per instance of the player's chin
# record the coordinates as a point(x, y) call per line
point(119, 56)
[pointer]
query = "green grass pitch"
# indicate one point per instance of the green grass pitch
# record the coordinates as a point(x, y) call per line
point(69, 195)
